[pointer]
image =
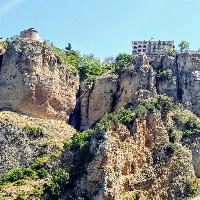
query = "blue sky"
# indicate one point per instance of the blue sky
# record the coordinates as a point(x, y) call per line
point(103, 27)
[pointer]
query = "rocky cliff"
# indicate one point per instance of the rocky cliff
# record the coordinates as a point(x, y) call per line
point(138, 143)
point(35, 82)
point(176, 76)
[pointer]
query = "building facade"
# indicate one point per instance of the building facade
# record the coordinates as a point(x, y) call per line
point(151, 47)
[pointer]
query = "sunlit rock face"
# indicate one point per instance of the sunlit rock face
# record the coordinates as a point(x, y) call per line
point(33, 81)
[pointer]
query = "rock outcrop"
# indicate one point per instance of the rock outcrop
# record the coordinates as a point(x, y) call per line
point(35, 82)
point(21, 143)
point(109, 93)
point(136, 164)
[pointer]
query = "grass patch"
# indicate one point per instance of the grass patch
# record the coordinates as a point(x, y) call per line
point(35, 132)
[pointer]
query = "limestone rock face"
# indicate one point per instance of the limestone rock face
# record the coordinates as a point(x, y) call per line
point(110, 92)
point(134, 164)
point(189, 80)
point(34, 81)
point(19, 147)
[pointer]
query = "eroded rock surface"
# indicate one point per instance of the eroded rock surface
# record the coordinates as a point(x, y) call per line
point(109, 93)
point(19, 147)
point(136, 164)
point(34, 81)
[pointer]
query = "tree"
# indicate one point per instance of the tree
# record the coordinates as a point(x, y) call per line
point(184, 45)
point(121, 61)
point(90, 67)
point(69, 47)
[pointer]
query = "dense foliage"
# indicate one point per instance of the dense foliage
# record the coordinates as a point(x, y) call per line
point(164, 74)
point(89, 66)
point(187, 120)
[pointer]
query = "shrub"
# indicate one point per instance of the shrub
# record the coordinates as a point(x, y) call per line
point(140, 111)
point(60, 178)
point(165, 74)
point(21, 196)
point(36, 192)
point(53, 190)
point(125, 116)
point(42, 173)
point(164, 104)
point(189, 121)
point(107, 122)
point(40, 162)
point(29, 172)
point(90, 68)
point(35, 132)
point(79, 140)
point(12, 176)
point(193, 186)
point(4, 43)
point(121, 62)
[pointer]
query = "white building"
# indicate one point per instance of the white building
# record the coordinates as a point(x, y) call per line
point(151, 47)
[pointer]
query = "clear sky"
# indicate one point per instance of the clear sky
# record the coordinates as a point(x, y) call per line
point(103, 27)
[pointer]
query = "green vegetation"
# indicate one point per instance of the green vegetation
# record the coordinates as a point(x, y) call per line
point(42, 173)
point(60, 179)
point(12, 176)
point(90, 68)
point(189, 121)
point(36, 193)
point(184, 45)
point(72, 57)
point(4, 43)
point(164, 74)
point(17, 175)
point(21, 196)
point(35, 132)
point(39, 163)
point(79, 140)
point(121, 62)
point(170, 50)
point(193, 187)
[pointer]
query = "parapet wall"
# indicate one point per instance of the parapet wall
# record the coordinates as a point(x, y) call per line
point(29, 34)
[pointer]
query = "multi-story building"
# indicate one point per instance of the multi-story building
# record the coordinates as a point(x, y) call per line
point(151, 47)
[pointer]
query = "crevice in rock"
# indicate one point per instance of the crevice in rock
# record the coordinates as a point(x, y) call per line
point(75, 116)
point(179, 88)
point(115, 97)
point(1, 60)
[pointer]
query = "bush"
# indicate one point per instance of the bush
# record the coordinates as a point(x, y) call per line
point(164, 104)
point(4, 43)
point(140, 111)
point(35, 132)
point(165, 74)
point(39, 163)
point(121, 62)
point(60, 178)
point(21, 196)
point(79, 140)
point(125, 116)
point(189, 121)
point(36, 192)
point(12, 176)
point(90, 68)
point(107, 122)
point(42, 173)
point(29, 172)
point(193, 187)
